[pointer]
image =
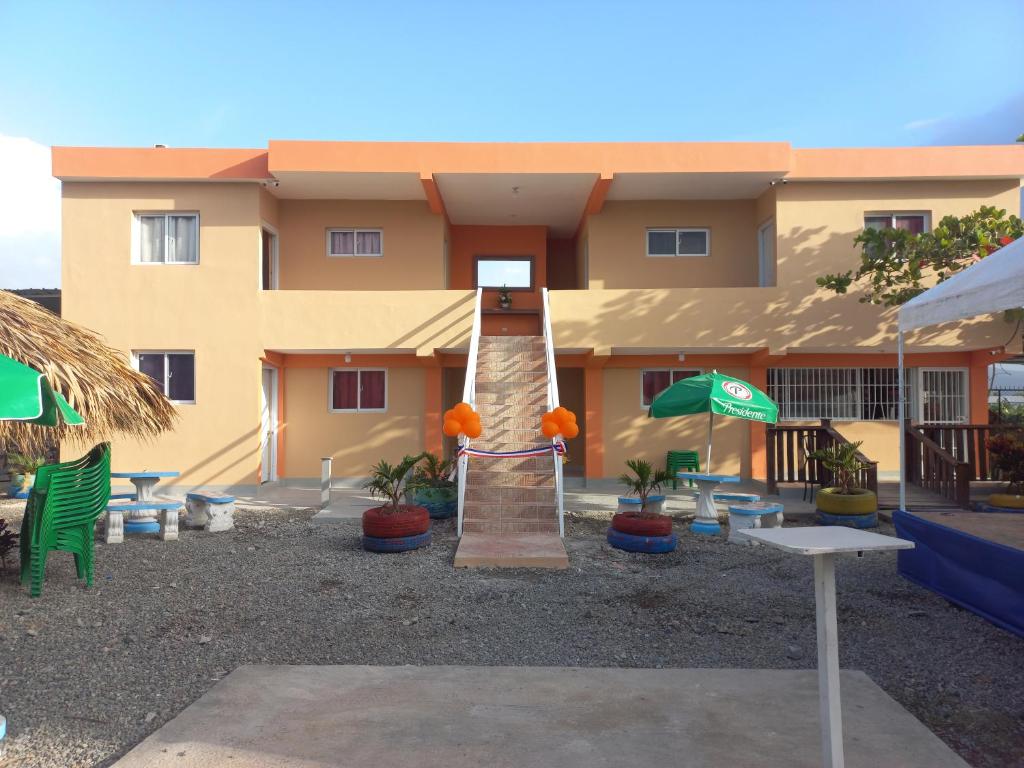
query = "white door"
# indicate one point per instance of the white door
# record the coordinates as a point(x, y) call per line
point(766, 254)
point(268, 426)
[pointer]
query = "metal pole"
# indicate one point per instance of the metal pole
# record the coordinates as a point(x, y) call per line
point(901, 420)
point(829, 702)
point(325, 482)
point(711, 422)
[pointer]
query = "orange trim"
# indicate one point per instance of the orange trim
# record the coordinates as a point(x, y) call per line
point(758, 431)
point(593, 397)
point(356, 361)
point(433, 194)
point(598, 194)
point(78, 163)
point(434, 401)
point(911, 360)
point(1002, 161)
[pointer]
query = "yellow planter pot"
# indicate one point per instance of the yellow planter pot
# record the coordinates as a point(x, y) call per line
point(1006, 501)
point(860, 502)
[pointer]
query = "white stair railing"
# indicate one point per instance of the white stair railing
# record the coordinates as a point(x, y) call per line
point(549, 353)
point(469, 396)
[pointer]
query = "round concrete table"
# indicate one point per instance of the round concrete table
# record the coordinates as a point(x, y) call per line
point(823, 543)
point(706, 520)
point(140, 521)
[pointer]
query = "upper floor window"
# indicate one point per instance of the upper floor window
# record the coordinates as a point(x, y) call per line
point(356, 390)
point(512, 272)
point(173, 372)
point(355, 242)
point(654, 381)
point(679, 242)
point(166, 238)
point(915, 223)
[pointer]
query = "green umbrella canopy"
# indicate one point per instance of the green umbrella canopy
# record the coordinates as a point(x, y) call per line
point(715, 393)
point(26, 395)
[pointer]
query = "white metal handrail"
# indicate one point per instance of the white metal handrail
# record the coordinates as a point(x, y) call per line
point(549, 354)
point(469, 396)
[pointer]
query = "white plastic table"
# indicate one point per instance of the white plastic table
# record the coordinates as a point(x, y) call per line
point(824, 543)
point(706, 519)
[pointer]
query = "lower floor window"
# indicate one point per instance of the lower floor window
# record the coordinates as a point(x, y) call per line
point(173, 372)
point(360, 389)
point(933, 395)
point(654, 381)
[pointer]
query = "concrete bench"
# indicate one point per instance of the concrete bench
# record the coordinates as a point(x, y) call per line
point(210, 511)
point(141, 522)
point(757, 514)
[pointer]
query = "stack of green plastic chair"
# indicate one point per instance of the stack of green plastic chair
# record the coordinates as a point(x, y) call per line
point(61, 514)
point(679, 461)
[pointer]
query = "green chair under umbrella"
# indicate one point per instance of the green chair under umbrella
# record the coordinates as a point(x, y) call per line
point(26, 395)
point(713, 393)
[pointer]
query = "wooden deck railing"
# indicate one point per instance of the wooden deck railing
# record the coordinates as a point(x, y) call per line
point(936, 469)
point(788, 449)
point(967, 443)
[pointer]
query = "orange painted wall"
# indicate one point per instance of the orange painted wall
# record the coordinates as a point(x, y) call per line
point(561, 265)
point(466, 242)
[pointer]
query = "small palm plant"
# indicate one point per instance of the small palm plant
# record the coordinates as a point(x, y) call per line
point(842, 463)
point(388, 481)
point(644, 481)
point(432, 473)
point(24, 464)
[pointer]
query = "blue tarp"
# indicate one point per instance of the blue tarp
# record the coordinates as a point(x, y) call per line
point(982, 576)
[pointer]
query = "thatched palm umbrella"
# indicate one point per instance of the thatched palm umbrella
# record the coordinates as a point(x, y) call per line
point(99, 383)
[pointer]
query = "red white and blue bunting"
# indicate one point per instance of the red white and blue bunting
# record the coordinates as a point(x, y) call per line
point(558, 448)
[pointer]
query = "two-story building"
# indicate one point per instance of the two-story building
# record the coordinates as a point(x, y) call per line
point(316, 299)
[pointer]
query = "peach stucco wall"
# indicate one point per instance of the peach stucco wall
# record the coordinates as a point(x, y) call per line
point(618, 244)
point(355, 441)
point(413, 245)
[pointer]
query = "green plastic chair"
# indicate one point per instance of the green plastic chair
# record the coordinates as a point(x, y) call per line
point(61, 514)
point(679, 461)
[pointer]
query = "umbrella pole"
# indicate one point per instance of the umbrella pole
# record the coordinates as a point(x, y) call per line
point(711, 422)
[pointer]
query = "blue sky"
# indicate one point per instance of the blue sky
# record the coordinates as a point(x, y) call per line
point(235, 74)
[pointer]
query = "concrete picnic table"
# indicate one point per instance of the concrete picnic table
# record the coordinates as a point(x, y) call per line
point(142, 507)
point(823, 543)
point(144, 482)
point(706, 520)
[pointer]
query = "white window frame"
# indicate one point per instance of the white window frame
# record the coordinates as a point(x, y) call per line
point(856, 380)
point(358, 409)
point(137, 239)
point(167, 369)
point(696, 372)
point(356, 231)
point(926, 215)
point(275, 259)
point(965, 404)
point(766, 267)
point(677, 254)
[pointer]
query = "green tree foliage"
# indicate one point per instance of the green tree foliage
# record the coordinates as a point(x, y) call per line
point(897, 265)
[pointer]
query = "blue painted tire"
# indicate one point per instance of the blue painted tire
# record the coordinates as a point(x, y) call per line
point(400, 544)
point(141, 526)
point(651, 545)
point(870, 520)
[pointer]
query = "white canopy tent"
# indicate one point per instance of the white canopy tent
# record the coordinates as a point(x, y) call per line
point(994, 284)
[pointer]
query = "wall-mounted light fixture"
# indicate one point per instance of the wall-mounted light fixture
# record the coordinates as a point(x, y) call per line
point(348, 358)
point(682, 357)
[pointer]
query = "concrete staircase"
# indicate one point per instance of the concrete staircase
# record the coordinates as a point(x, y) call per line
point(511, 514)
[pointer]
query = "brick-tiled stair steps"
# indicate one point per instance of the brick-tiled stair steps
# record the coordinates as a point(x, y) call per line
point(510, 513)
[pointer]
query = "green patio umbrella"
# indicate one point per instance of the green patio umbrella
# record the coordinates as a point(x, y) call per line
point(26, 395)
point(713, 393)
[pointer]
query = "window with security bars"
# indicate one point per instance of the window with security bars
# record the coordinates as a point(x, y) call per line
point(943, 396)
point(850, 394)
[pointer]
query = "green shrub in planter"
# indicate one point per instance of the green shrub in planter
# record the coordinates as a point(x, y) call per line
point(844, 503)
point(23, 474)
point(430, 486)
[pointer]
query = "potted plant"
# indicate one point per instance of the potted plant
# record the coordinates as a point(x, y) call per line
point(23, 473)
point(394, 526)
point(430, 486)
point(640, 525)
point(844, 503)
point(8, 541)
point(504, 297)
point(1007, 454)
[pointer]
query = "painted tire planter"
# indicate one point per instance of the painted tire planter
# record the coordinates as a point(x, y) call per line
point(651, 545)
point(397, 544)
point(439, 502)
point(867, 520)
point(657, 525)
point(655, 505)
point(860, 502)
point(3, 734)
point(1006, 501)
point(410, 521)
point(20, 486)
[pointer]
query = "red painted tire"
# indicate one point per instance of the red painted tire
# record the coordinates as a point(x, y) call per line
point(656, 525)
point(410, 521)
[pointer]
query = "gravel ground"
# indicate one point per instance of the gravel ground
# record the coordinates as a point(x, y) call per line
point(85, 675)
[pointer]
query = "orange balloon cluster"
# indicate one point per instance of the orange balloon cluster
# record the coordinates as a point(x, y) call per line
point(560, 421)
point(462, 419)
